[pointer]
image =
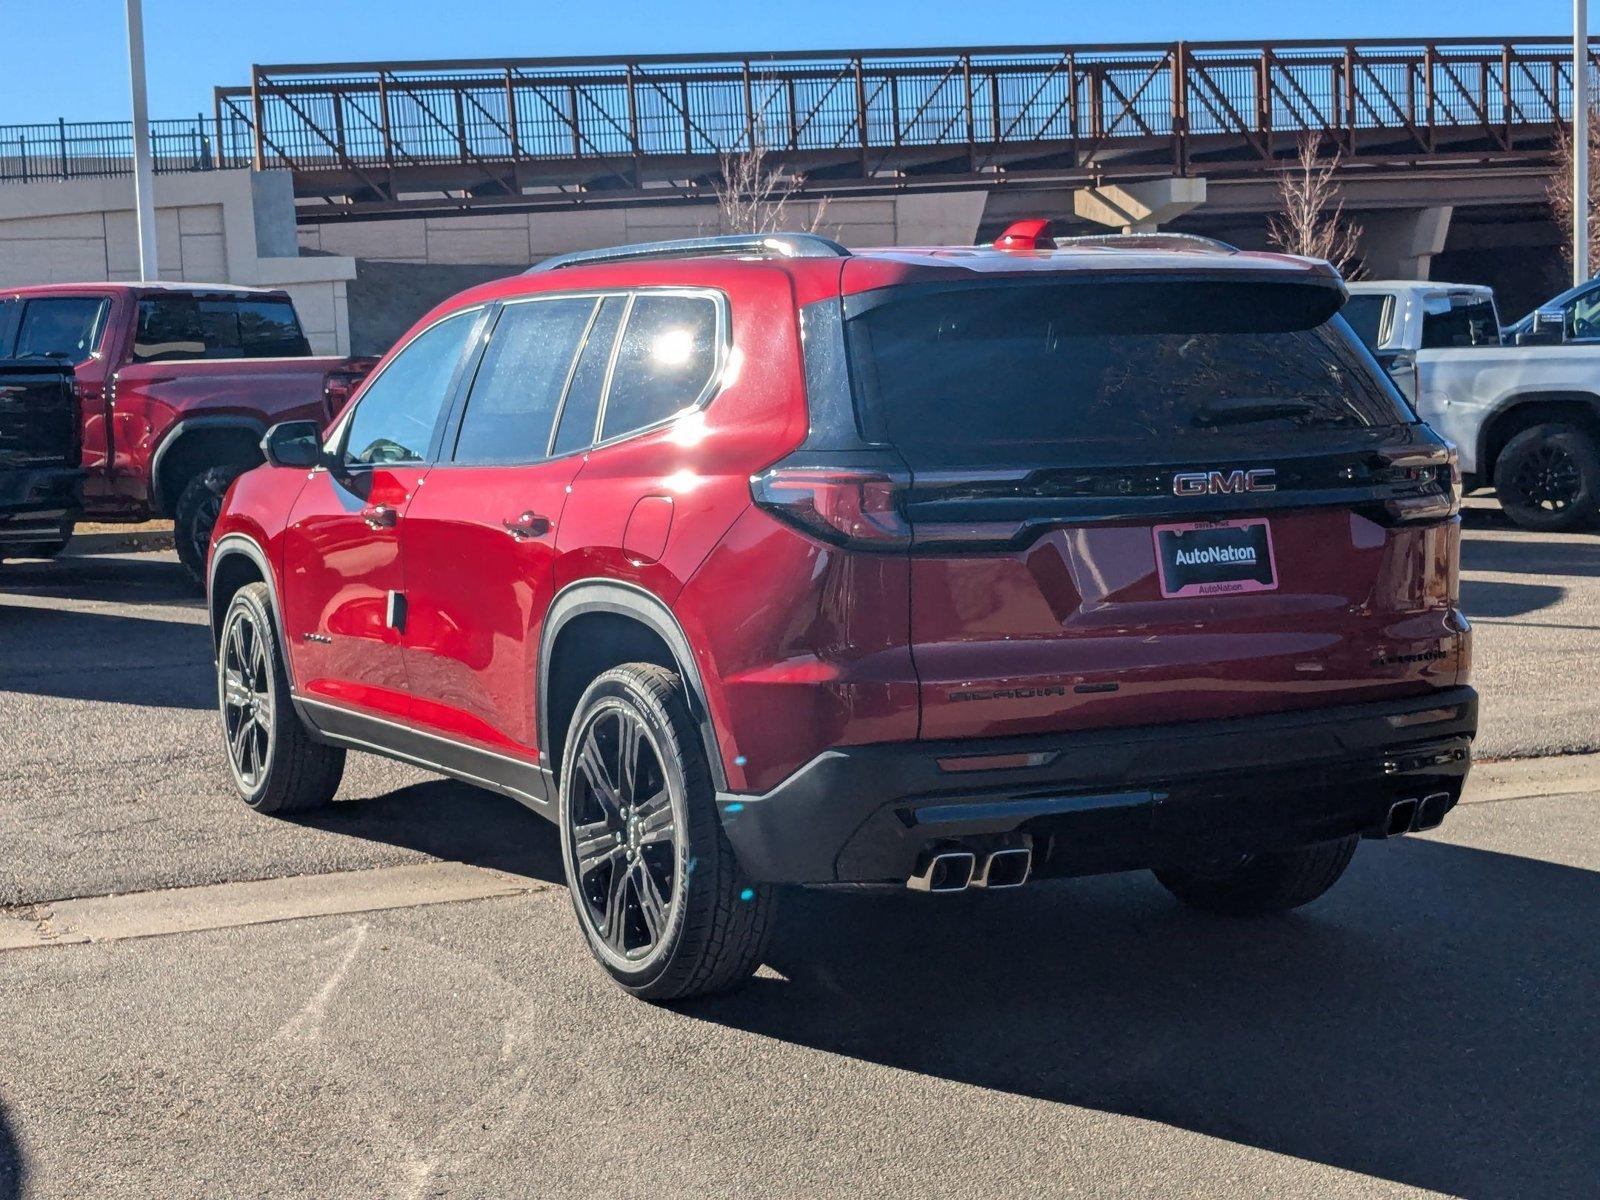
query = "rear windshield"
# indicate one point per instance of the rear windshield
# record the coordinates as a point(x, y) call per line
point(1451, 322)
point(178, 327)
point(1013, 368)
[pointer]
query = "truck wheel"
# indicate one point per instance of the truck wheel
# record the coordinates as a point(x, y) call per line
point(195, 515)
point(658, 893)
point(1263, 883)
point(275, 764)
point(1548, 478)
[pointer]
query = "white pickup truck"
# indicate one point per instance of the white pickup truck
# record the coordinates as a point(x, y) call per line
point(1525, 416)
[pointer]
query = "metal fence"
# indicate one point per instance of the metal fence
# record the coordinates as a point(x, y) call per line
point(367, 132)
point(83, 149)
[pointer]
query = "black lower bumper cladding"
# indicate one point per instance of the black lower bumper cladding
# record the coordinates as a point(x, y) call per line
point(1108, 799)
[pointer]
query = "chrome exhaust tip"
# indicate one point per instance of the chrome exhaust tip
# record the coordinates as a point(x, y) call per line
point(1431, 810)
point(944, 871)
point(1005, 869)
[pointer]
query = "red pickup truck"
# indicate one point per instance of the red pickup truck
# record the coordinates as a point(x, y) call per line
point(176, 383)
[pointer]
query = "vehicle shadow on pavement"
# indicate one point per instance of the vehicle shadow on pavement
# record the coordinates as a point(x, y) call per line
point(1431, 1021)
point(13, 1171)
point(79, 655)
point(1492, 598)
point(451, 821)
point(125, 579)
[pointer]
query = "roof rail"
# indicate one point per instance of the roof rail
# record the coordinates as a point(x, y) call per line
point(1151, 241)
point(780, 245)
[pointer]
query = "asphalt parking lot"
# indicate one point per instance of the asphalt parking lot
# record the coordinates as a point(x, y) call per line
point(1427, 1028)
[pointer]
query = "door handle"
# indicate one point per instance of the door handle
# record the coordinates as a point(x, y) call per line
point(528, 525)
point(380, 516)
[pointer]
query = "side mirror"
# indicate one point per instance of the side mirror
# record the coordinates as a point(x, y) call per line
point(1548, 325)
point(293, 444)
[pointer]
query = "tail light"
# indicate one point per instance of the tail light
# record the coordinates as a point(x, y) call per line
point(860, 507)
point(1435, 476)
point(338, 387)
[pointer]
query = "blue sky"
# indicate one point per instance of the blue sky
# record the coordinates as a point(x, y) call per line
point(79, 70)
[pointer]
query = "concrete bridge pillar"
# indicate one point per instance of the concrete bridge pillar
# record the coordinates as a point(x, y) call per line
point(1401, 244)
point(1139, 207)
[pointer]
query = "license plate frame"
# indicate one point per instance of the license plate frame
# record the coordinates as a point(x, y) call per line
point(1228, 558)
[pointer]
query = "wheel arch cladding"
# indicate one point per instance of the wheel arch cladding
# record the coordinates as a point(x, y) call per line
point(1527, 409)
point(592, 626)
point(192, 446)
point(238, 561)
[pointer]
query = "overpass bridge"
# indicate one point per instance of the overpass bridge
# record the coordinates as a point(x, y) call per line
point(396, 139)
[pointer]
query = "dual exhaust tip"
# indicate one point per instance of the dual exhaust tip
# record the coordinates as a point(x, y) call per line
point(957, 870)
point(1414, 815)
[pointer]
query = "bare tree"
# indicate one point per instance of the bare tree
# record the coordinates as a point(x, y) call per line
point(1311, 219)
point(1558, 189)
point(754, 193)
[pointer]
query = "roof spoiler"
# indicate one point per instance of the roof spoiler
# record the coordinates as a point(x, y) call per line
point(772, 245)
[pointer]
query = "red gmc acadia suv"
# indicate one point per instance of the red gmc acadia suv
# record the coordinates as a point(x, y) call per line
point(754, 561)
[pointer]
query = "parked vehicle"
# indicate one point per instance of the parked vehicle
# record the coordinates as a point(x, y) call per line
point(1524, 416)
point(1573, 316)
point(41, 481)
point(753, 561)
point(176, 384)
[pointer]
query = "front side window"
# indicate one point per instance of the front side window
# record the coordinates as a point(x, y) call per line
point(513, 402)
point(177, 326)
point(63, 327)
point(1583, 315)
point(395, 416)
point(666, 360)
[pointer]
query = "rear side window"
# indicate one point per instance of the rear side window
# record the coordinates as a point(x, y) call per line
point(513, 403)
point(582, 407)
point(664, 364)
point(64, 327)
point(395, 416)
point(1450, 322)
point(1370, 318)
point(8, 325)
point(1047, 372)
point(175, 327)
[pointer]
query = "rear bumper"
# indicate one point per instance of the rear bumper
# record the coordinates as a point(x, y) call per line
point(1111, 799)
point(35, 502)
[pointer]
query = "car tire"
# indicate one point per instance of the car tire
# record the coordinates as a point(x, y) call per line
point(654, 882)
point(1548, 478)
point(195, 516)
point(1271, 882)
point(275, 764)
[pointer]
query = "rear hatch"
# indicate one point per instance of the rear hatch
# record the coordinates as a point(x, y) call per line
point(38, 415)
point(1143, 500)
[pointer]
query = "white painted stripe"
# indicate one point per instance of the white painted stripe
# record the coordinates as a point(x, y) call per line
point(226, 905)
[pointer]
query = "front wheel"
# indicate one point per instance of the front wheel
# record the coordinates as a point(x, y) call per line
point(1271, 882)
point(276, 766)
point(657, 891)
point(1548, 478)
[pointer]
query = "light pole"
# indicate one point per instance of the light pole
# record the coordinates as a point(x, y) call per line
point(144, 199)
point(1580, 141)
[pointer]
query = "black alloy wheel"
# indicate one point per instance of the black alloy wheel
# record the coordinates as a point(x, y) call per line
point(624, 835)
point(247, 699)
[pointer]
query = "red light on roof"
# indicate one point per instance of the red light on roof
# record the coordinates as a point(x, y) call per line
point(1036, 233)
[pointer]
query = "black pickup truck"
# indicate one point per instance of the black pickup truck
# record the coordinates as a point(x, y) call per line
point(41, 471)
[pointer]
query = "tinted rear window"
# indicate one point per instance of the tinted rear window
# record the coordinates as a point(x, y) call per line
point(1012, 369)
point(1450, 322)
point(181, 327)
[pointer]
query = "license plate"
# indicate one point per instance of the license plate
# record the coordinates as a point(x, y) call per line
point(1215, 558)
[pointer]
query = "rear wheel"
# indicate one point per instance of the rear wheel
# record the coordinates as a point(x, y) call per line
point(657, 891)
point(1270, 882)
point(195, 516)
point(1548, 478)
point(275, 764)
